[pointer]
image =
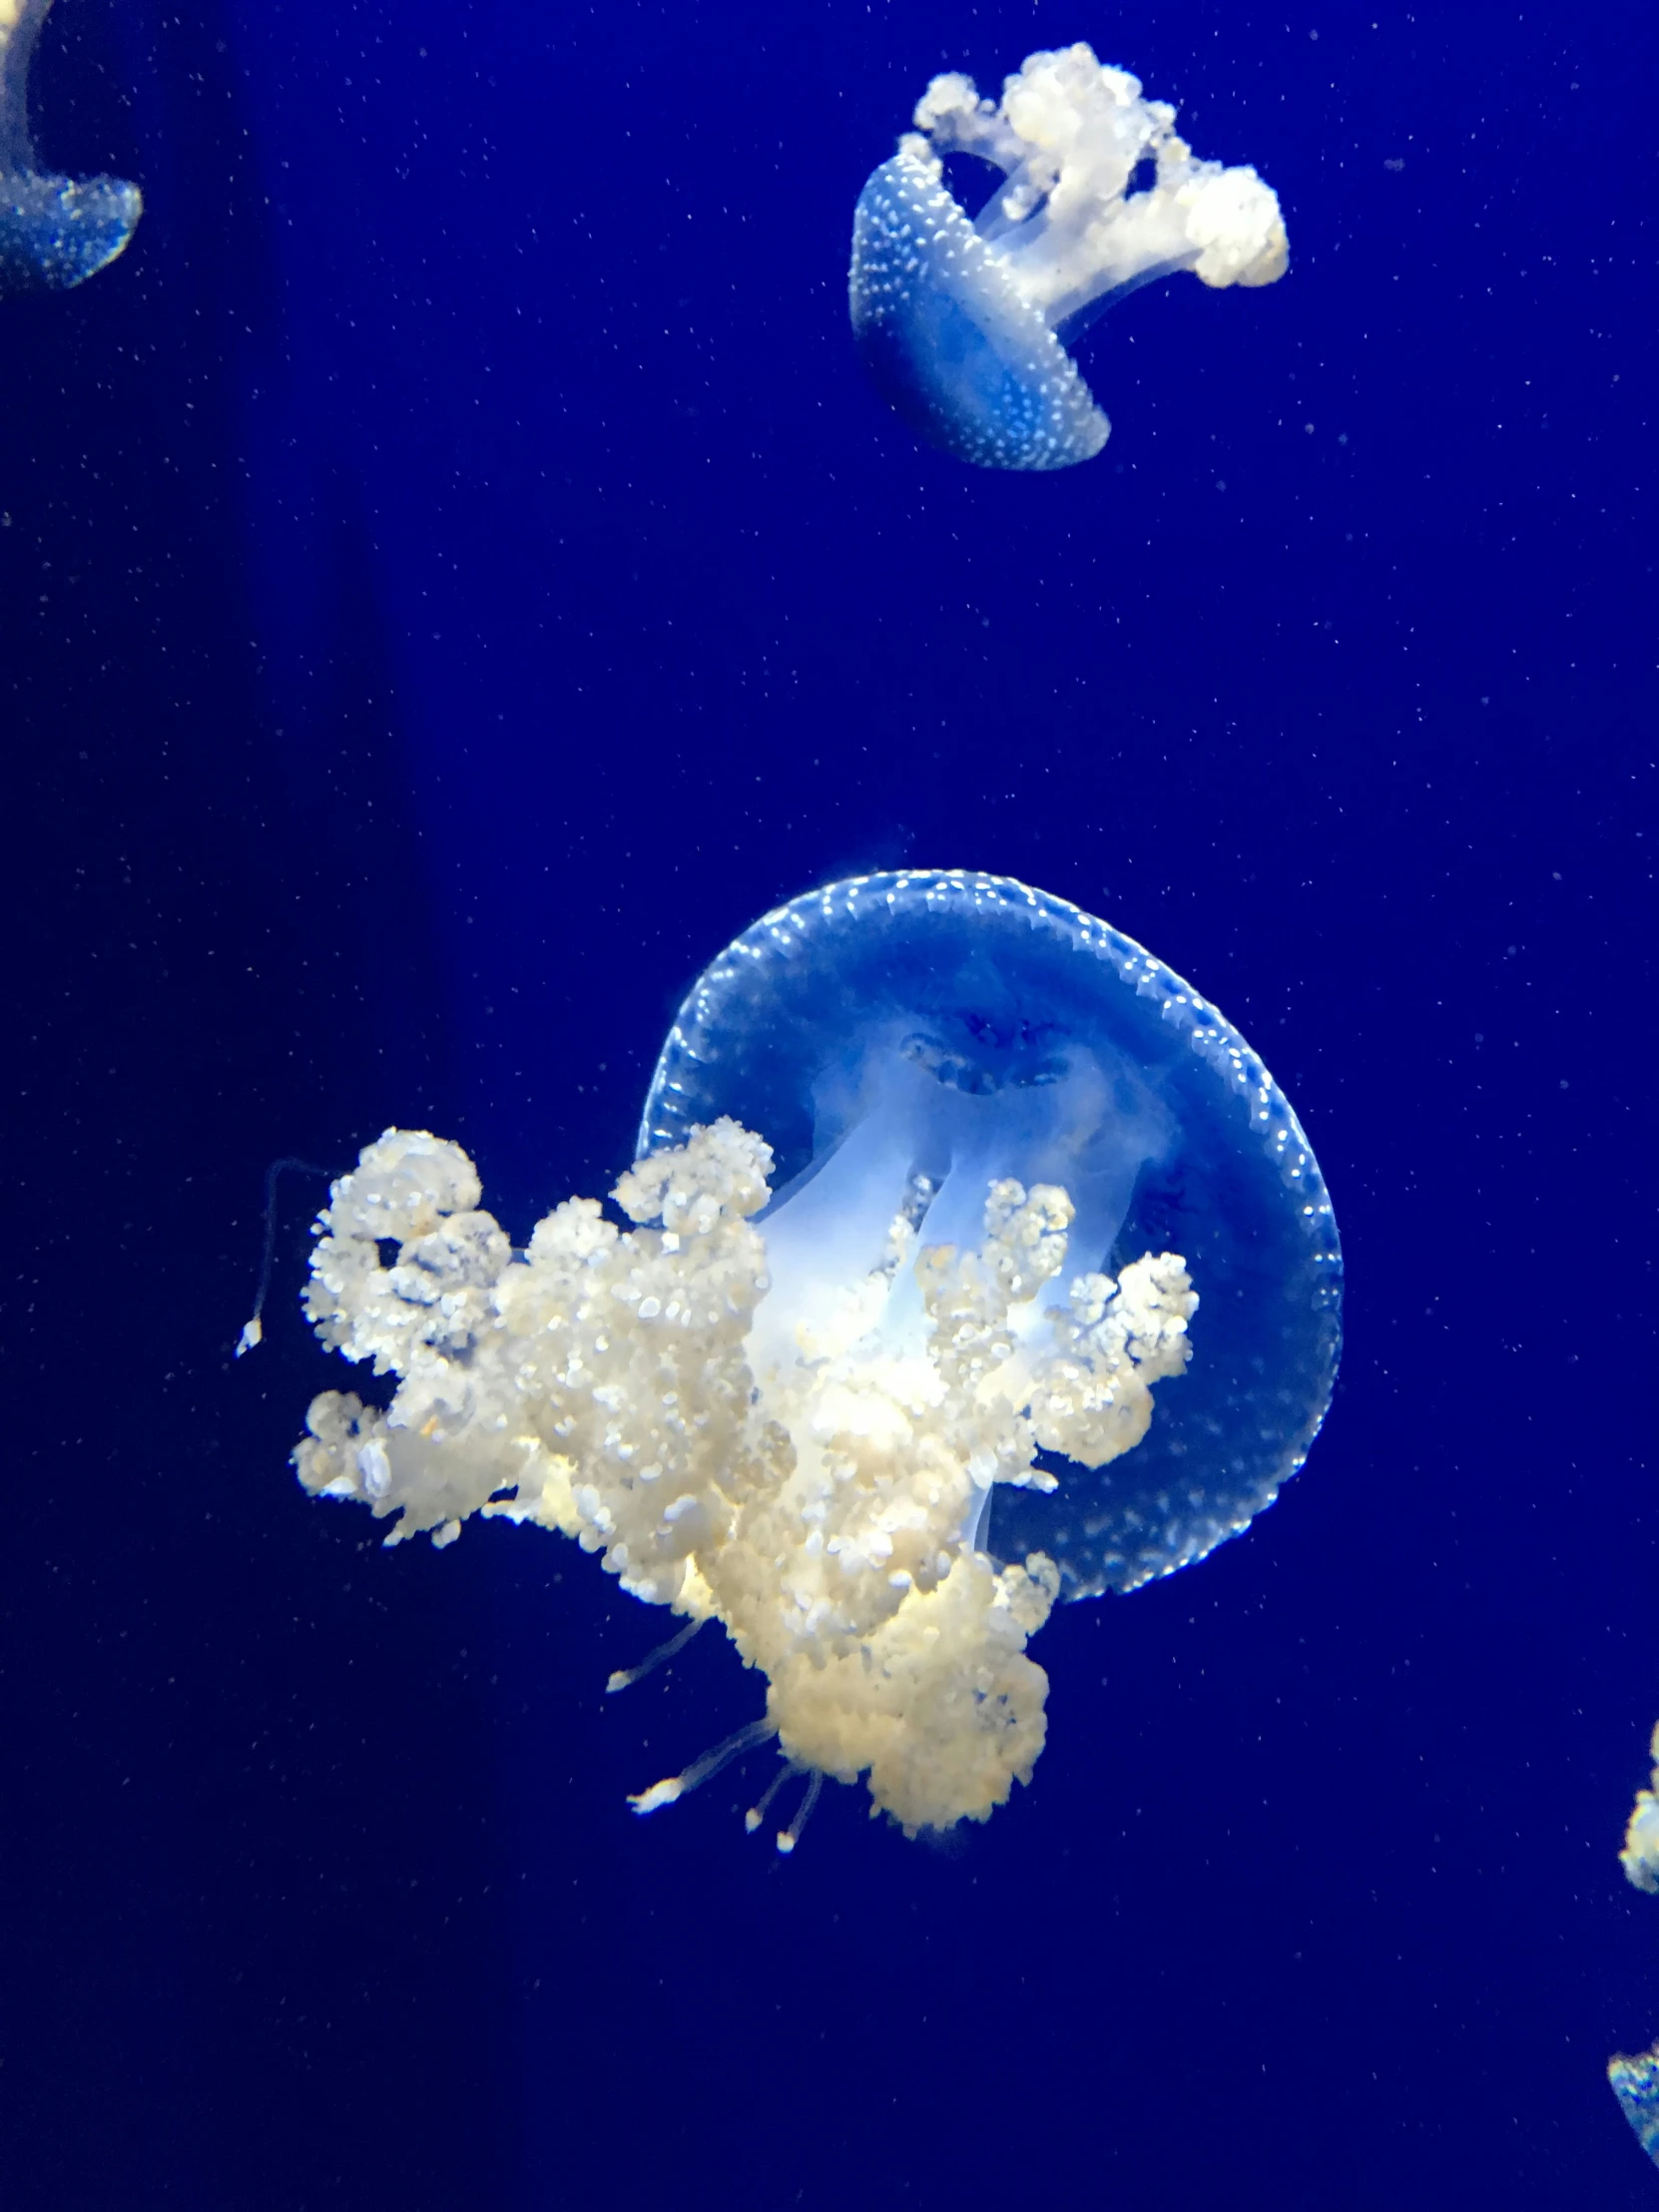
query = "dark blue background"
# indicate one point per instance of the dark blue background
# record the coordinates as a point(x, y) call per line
point(453, 577)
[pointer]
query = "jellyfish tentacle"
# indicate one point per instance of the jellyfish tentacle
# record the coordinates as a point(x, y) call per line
point(789, 1837)
point(675, 1785)
point(757, 1813)
point(253, 1328)
point(624, 1678)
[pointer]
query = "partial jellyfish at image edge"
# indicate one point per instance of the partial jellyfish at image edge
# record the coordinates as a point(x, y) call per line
point(965, 324)
point(1635, 2081)
point(974, 1261)
point(54, 232)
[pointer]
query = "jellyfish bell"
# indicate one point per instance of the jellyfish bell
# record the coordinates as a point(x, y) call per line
point(964, 324)
point(54, 232)
point(905, 1039)
point(958, 356)
point(974, 1260)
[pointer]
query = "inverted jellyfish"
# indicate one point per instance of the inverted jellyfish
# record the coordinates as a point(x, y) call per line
point(974, 1261)
point(54, 232)
point(1635, 2081)
point(965, 325)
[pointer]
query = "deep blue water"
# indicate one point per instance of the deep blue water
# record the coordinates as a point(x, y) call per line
point(454, 577)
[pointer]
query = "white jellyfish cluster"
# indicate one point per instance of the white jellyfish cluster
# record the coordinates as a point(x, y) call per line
point(816, 1485)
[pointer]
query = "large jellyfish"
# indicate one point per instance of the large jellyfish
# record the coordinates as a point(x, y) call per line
point(1635, 2081)
point(965, 324)
point(974, 1261)
point(54, 232)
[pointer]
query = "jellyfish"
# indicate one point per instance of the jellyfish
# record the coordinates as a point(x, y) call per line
point(966, 325)
point(54, 232)
point(1640, 1856)
point(1635, 2081)
point(971, 1261)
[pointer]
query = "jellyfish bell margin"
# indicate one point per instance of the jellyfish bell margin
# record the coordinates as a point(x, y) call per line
point(972, 1261)
point(963, 324)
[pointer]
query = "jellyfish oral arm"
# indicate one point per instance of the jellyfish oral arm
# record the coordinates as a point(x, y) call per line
point(20, 22)
point(951, 118)
point(821, 1501)
point(1070, 134)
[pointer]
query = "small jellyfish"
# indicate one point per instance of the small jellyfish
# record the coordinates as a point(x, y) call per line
point(965, 324)
point(1635, 2081)
point(974, 1261)
point(54, 232)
